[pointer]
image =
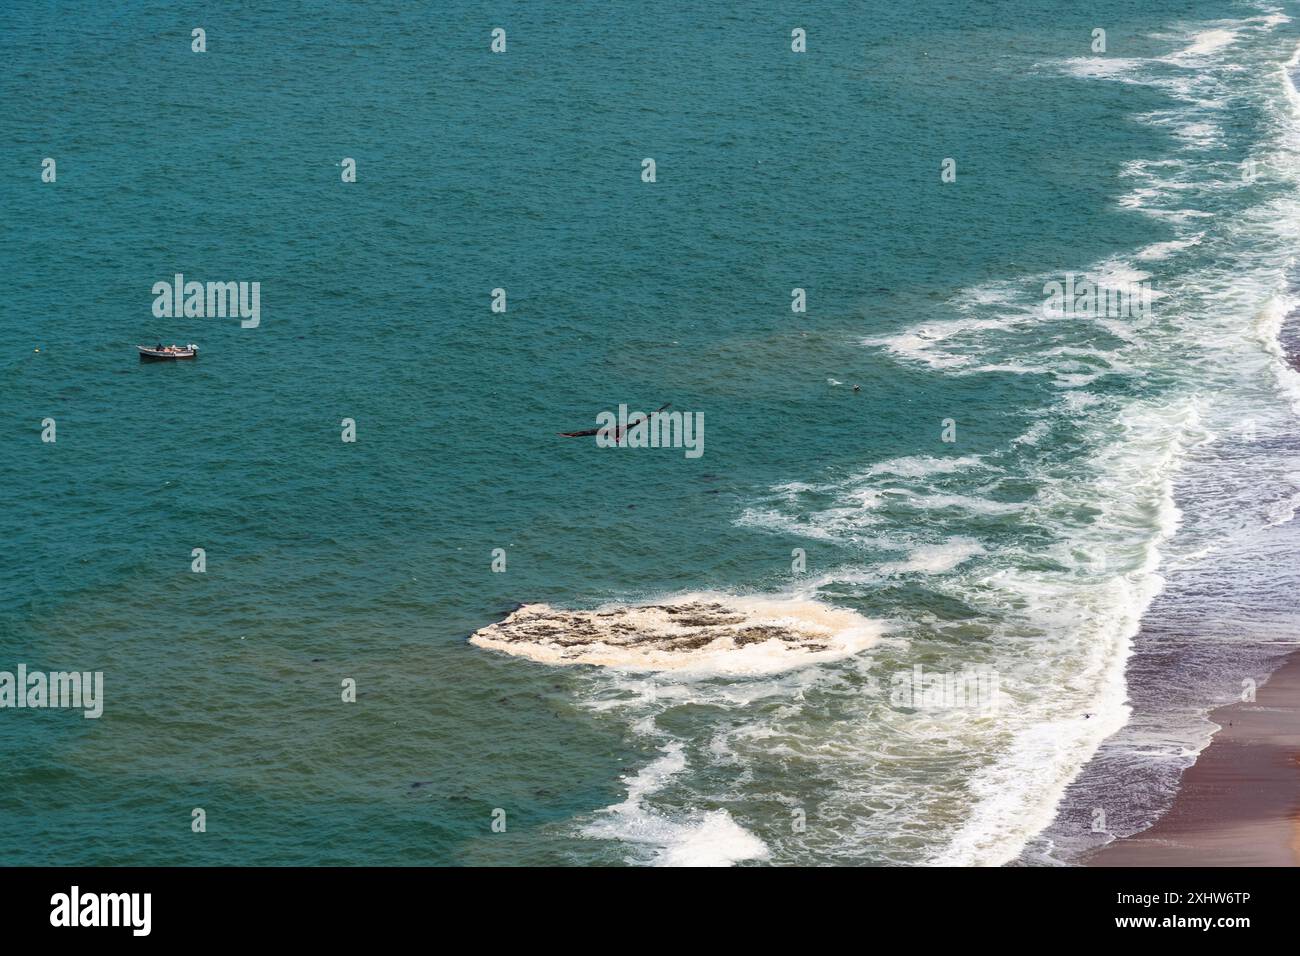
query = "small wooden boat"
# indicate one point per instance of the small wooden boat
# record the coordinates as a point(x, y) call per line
point(168, 352)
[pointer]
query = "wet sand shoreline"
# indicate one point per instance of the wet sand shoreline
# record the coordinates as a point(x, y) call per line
point(1239, 804)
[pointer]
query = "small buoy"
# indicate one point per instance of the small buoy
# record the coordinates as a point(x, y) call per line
point(35, 350)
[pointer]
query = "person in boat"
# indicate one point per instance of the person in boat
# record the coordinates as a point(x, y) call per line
point(160, 348)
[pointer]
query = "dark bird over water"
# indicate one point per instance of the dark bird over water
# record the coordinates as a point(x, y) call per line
point(618, 432)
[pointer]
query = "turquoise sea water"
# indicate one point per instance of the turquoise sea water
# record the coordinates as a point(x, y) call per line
point(1094, 457)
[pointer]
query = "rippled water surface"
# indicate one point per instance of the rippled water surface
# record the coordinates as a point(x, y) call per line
point(1096, 461)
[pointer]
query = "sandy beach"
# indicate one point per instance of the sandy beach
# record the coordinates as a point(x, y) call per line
point(1239, 804)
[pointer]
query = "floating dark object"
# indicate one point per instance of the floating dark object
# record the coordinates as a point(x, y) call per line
point(164, 353)
point(618, 433)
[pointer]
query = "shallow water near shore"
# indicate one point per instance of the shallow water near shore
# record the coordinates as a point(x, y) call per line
point(1102, 468)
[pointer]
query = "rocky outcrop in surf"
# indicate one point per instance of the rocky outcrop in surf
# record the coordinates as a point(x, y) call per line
point(735, 634)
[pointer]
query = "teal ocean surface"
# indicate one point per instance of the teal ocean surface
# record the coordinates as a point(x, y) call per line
point(1100, 534)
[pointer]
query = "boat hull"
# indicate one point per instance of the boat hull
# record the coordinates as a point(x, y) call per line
point(153, 355)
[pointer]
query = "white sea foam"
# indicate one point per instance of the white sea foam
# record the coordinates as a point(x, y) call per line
point(937, 558)
point(823, 527)
point(793, 488)
point(1033, 435)
point(1268, 328)
point(1204, 43)
point(971, 503)
point(1283, 511)
point(1103, 67)
point(1115, 274)
point(705, 838)
point(1163, 250)
point(989, 322)
point(918, 466)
